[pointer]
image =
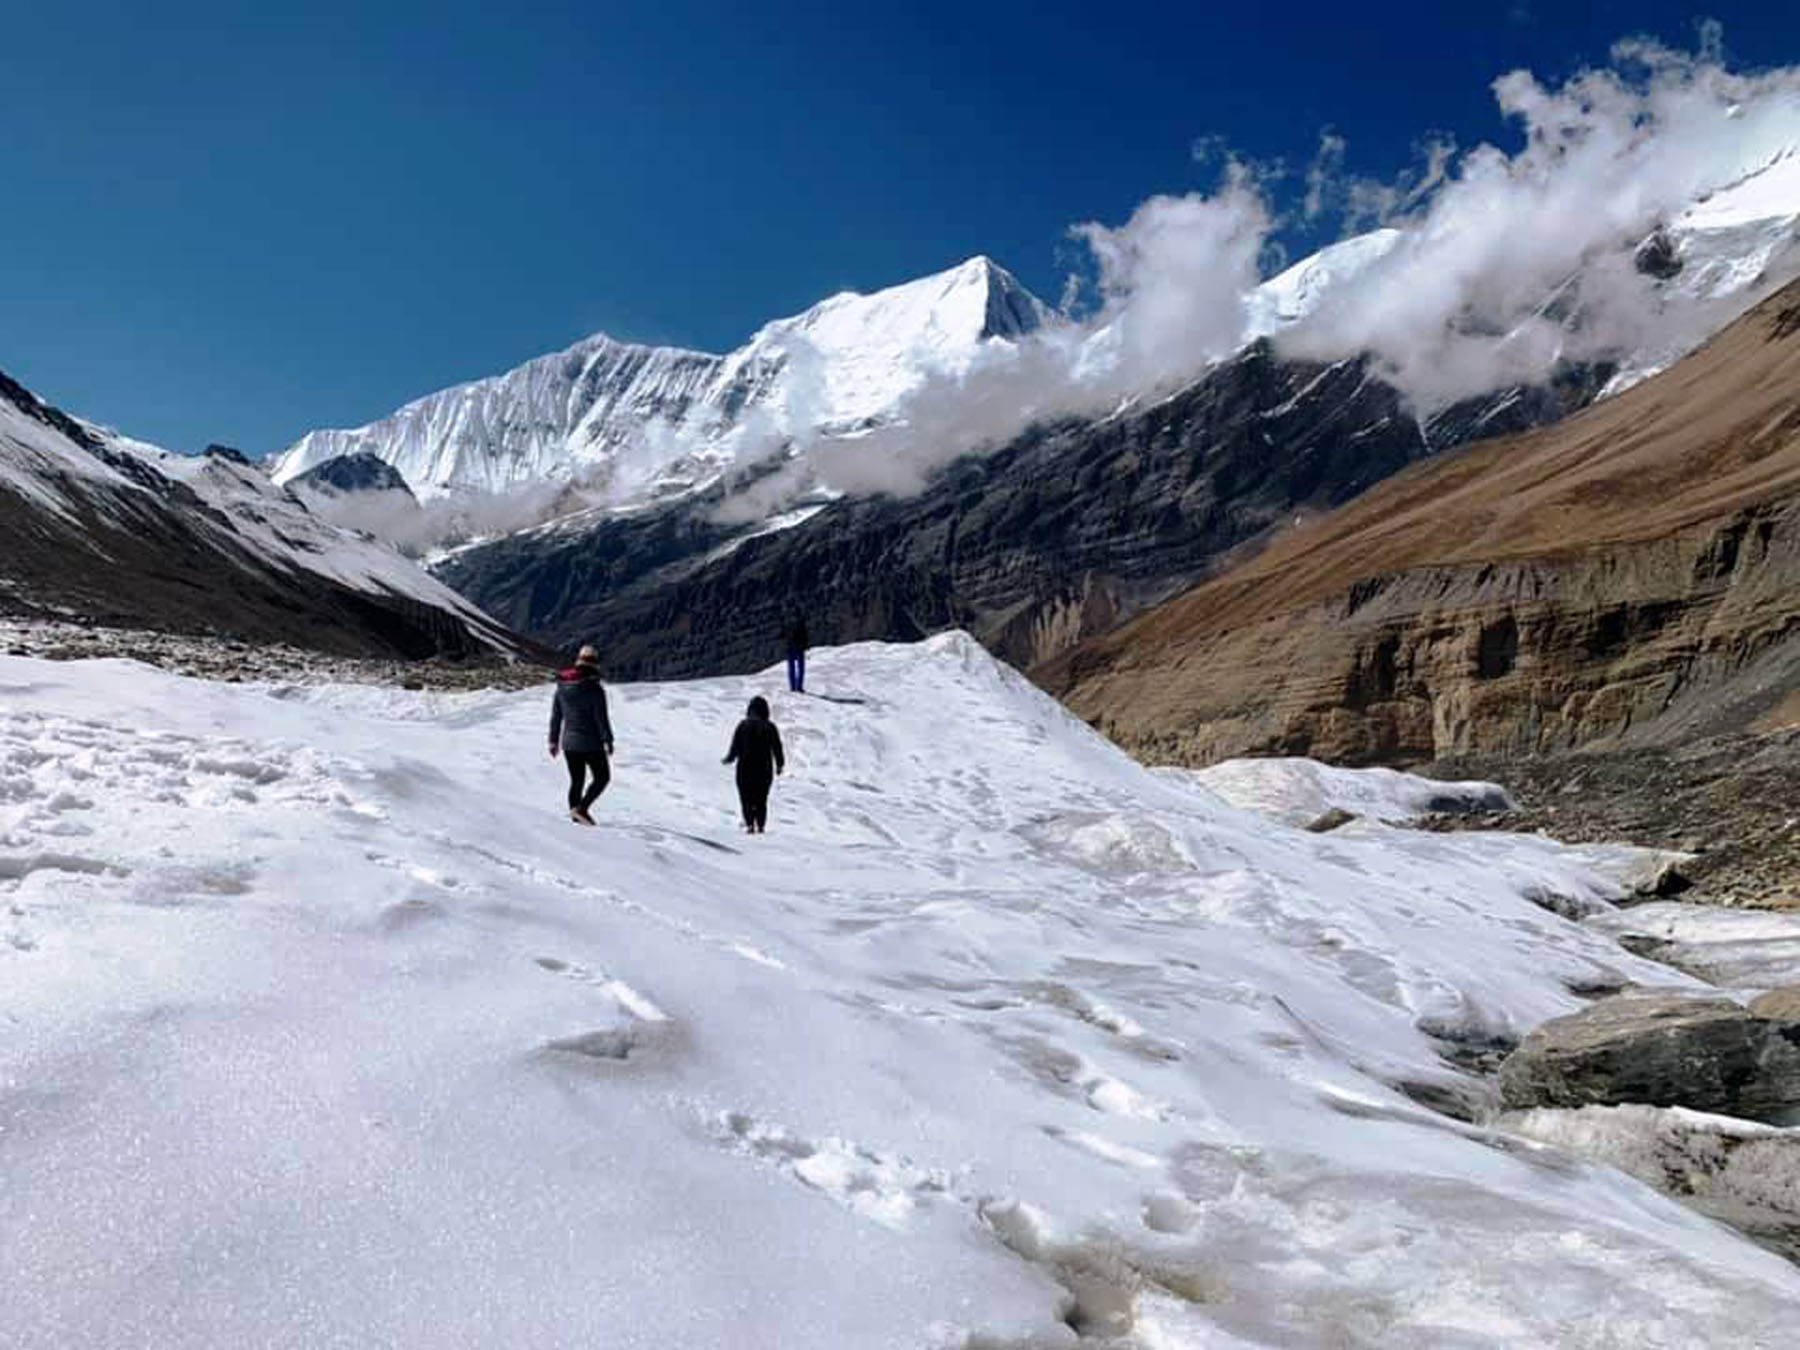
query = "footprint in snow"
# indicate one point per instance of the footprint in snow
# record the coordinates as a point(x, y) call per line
point(884, 1187)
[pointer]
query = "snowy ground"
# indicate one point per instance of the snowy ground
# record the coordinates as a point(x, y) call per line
point(320, 1026)
point(1299, 791)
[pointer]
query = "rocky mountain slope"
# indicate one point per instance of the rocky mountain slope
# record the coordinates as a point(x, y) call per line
point(1626, 577)
point(1073, 527)
point(97, 526)
point(646, 421)
point(1054, 537)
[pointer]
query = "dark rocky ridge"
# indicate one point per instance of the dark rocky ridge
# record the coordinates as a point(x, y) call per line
point(358, 472)
point(1061, 534)
point(164, 558)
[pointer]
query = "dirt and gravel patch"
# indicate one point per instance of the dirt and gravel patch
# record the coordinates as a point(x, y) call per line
point(1734, 801)
point(237, 662)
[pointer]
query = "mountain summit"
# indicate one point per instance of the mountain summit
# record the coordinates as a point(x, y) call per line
point(645, 421)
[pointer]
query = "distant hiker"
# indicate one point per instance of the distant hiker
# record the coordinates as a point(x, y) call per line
point(797, 642)
point(756, 750)
point(581, 730)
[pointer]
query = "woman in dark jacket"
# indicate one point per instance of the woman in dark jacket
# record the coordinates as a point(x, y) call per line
point(581, 730)
point(756, 750)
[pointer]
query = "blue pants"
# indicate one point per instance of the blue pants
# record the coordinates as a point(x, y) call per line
point(797, 674)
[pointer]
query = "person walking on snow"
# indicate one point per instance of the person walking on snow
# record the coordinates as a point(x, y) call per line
point(756, 750)
point(797, 643)
point(582, 732)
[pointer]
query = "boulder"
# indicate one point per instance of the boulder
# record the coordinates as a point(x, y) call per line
point(1659, 1048)
point(1778, 1005)
point(1335, 818)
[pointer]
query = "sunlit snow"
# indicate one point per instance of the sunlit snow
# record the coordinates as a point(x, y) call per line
point(321, 1025)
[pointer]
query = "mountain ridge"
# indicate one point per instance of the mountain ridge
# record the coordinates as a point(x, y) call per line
point(96, 526)
point(584, 411)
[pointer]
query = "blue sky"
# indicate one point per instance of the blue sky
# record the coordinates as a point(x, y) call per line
point(235, 223)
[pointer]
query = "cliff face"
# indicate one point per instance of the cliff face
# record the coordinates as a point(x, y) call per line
point(1630, 575)
point(1637, 641)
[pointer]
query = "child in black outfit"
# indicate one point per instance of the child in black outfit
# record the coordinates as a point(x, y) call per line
point(756, 750)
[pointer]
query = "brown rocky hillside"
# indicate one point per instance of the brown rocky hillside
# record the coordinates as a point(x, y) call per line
point(1627, 576)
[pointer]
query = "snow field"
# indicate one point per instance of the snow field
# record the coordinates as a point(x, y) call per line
point(320, 1025)
point(1299, 791)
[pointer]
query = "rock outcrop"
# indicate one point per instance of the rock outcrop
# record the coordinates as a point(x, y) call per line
point(1659, 1048)
point(1782, 1004)
point(358, 472)
point(1631, 574)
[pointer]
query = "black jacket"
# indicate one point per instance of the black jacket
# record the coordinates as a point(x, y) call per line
point(756, 749)
point(578, 720)
point(797, 638)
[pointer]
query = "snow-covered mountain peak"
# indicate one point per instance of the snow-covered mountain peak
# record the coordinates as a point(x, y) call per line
point(647, 420)
point(1294, 294)
point(976, 298)
point(861, 355)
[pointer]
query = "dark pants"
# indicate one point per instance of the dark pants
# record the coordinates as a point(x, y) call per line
point(797, 672)
point(580, 766)
point(753, 796)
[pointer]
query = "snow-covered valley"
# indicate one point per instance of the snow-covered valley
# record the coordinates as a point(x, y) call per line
point(322, 1026)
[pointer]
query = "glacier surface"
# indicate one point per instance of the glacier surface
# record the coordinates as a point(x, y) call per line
point(324, 1027)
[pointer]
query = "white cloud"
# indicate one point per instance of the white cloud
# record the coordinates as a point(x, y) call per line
point(1608, 156)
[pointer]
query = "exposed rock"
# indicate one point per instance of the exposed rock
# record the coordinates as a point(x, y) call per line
point(1781, 1005)
point(1659, 1048)
point(359, 472)
point(1743, 1174)
point(1631, 575)
point(214, 658)
point(1520, 408)
point(1659, 256)
point(1333, 819)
